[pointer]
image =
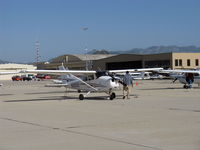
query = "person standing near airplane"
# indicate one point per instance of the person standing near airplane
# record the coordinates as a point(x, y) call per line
point(127, 84)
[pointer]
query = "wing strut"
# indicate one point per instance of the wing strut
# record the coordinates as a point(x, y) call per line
point(85, 83)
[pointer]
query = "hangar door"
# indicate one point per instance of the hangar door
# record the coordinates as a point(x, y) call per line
point(124, 65)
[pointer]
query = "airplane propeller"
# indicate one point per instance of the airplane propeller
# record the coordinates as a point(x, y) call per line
point(116, 79)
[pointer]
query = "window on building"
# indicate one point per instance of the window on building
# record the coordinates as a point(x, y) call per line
point(180, 62)
point(196, 62)
point(188, 62)
point(176, 62)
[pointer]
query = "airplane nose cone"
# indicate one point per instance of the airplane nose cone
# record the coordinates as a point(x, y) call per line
point(114, 84)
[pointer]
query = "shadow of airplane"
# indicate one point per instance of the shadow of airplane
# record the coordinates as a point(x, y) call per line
point(50, 92)
point(60, 98)
point(6, 94)
point(168, 88)
point(55, 98)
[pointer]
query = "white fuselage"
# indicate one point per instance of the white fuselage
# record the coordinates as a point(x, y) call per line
point(103, 83)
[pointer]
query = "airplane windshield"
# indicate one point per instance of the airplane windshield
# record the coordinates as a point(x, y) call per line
point(101, 73)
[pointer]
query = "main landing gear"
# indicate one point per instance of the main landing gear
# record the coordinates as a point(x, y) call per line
point(187, 86)
point(111, 97)
point(81, 97)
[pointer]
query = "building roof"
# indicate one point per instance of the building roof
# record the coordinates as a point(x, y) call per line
point(92, 57)
point(79, 57)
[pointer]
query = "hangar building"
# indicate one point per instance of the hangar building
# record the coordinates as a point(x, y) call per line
point(74, 62)
point(125, 61)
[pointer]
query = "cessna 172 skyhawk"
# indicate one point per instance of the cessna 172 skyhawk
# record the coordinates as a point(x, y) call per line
point(103, 82)
point(187, 77)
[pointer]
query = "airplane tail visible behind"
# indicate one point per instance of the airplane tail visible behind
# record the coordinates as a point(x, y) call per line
point(63, 80)
point(64, 77)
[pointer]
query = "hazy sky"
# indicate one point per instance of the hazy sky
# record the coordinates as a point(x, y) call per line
point(112, 25)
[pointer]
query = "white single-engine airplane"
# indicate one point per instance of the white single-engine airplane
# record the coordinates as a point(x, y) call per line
point(187, 77)
point(104, 81)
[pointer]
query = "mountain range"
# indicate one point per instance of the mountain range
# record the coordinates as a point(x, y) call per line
point(151, 50)
point(3, 62)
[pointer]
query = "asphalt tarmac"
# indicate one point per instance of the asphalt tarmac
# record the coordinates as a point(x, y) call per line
point(159, 116)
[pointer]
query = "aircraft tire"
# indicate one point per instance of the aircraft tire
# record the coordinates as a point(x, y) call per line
point(112, 96)
point(81, 97)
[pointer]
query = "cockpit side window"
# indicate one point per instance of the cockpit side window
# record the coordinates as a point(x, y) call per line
point(101, 73)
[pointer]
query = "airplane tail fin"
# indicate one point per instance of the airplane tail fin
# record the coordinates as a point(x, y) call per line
point(64, 77)
point(62, 68)
point(142, 75)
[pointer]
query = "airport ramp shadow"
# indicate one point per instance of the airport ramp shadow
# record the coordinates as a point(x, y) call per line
point(6, 94)
point(61, 98)
point(50, 92)
point(52, 98)
point(161, 88)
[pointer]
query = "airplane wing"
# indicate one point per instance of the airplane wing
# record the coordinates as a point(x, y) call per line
point(59, 72)
point(180, 71)
point(135, 70)
point(5, 73)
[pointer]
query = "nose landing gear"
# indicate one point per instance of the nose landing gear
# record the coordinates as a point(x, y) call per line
point(187, 86)
point(112, 96)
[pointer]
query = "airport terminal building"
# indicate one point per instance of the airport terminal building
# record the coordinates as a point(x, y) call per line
point(125, 61)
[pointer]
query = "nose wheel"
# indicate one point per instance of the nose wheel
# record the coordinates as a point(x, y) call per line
point(81, 97)
point(187, 86)
point(112, 96)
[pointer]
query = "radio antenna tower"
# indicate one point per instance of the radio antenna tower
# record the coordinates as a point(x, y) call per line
point(37, 48)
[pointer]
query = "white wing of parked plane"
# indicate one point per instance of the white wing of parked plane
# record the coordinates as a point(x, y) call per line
point(180, 71)
point(61, 72)
point(81, 72)
point(135, 70)
point(5, 73)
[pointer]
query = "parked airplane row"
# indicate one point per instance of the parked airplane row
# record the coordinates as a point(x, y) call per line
point(98, 81)
point(107, 81)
